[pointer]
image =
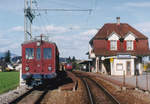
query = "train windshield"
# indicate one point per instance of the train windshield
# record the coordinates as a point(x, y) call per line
point(47, 53)
point(38, 53)
point(29, 53)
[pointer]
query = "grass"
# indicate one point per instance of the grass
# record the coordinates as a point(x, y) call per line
point(8, 81)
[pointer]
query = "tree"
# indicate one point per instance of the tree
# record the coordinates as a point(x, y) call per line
point(7, 57)
point(69, 59)
point(73, 59)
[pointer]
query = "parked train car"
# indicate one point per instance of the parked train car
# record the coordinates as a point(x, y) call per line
point(40, 62)
point(68, 67)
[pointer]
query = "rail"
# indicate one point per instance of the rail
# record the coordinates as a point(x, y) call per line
point(107, 93)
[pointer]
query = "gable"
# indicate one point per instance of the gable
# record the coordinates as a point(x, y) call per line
point(130, 36)
point(113, 36)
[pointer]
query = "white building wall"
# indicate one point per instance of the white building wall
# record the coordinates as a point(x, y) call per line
point(91, 54)
point(114, 70)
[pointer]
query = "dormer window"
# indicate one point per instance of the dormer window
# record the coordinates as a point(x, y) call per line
point(129, 45)
point(113, 45)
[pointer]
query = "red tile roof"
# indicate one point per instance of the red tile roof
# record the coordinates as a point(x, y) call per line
point(122, 30)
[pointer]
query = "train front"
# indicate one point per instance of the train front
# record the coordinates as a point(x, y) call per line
point(39, 62)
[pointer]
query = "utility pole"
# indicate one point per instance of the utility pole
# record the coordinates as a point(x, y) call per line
point(28, 19)
point(29, 16)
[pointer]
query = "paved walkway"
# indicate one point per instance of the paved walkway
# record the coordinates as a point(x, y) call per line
point(131, 80)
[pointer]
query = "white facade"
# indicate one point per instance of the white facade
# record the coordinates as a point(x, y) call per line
point(113, 36)
point(91, 54)
point(122, 66)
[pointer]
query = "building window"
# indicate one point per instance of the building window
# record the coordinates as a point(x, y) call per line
point(47, 53)
point(29, 53)
point(119, 67)
point(129, 45)
point(113, 45)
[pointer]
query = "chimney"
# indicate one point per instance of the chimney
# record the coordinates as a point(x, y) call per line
point(118, 20)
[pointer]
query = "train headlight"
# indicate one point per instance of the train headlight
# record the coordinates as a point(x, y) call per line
point(38, 44)
point(27, 68)
point(49, 68)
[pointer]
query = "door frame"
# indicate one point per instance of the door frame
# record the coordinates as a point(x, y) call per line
point(128, 72)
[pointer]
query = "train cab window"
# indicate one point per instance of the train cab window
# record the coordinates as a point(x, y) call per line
point(38, 53)
point(47, 53)
point(29, 53)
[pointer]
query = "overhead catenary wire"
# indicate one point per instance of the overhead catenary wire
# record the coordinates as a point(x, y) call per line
point(44, 21)
point(44, 29)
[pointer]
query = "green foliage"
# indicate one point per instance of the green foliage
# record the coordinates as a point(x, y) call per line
point(73, 59)
point(69, 59)
point(8, 81)
point(7, 57)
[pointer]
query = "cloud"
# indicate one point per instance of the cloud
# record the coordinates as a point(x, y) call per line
point(144, 27)
point(50, 29)
point(138, 4)
point(17, 29)
point(90, 32)
point(72, 43)
point(57, 29)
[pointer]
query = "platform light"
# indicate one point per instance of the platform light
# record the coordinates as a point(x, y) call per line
point(38, 44)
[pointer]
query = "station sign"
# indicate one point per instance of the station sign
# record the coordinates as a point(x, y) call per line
point(145, 67)
point(111, 59)
point(124, 56)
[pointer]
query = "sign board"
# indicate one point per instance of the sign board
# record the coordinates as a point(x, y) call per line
point(111, 59)
point(145, 67)
point(123, 56)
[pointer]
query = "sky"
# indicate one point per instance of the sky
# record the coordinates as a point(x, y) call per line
point(71, 31)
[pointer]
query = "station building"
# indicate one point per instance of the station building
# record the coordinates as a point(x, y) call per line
point(117, 49)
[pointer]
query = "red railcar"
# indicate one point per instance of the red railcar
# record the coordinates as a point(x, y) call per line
point(40, 61)
point(68, 66)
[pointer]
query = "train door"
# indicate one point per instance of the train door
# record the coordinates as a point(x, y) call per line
point(39, 65)
point(48, 59)
point(29, 60)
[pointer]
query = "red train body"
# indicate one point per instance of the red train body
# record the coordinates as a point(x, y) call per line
point(40, 61)
point(68, 66)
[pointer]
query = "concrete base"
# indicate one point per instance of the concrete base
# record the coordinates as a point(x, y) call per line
point(22, 83)
point(136, 89)
point(124, 88)
point(146, 92)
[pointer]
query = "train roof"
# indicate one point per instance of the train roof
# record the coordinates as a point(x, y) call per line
point(32, 41)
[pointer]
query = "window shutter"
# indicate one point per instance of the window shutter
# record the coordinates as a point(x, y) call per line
point(125, 45)
point(118, 45)
point(108, 45)
point(134, 44)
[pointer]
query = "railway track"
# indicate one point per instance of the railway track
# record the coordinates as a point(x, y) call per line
point(97, 93)
point(33, 96)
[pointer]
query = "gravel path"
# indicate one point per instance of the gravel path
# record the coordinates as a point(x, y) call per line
point(6, 98)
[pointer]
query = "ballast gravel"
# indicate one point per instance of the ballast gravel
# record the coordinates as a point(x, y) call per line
point(8, 97)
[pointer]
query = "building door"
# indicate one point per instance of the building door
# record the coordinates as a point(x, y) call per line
point(128, 68)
